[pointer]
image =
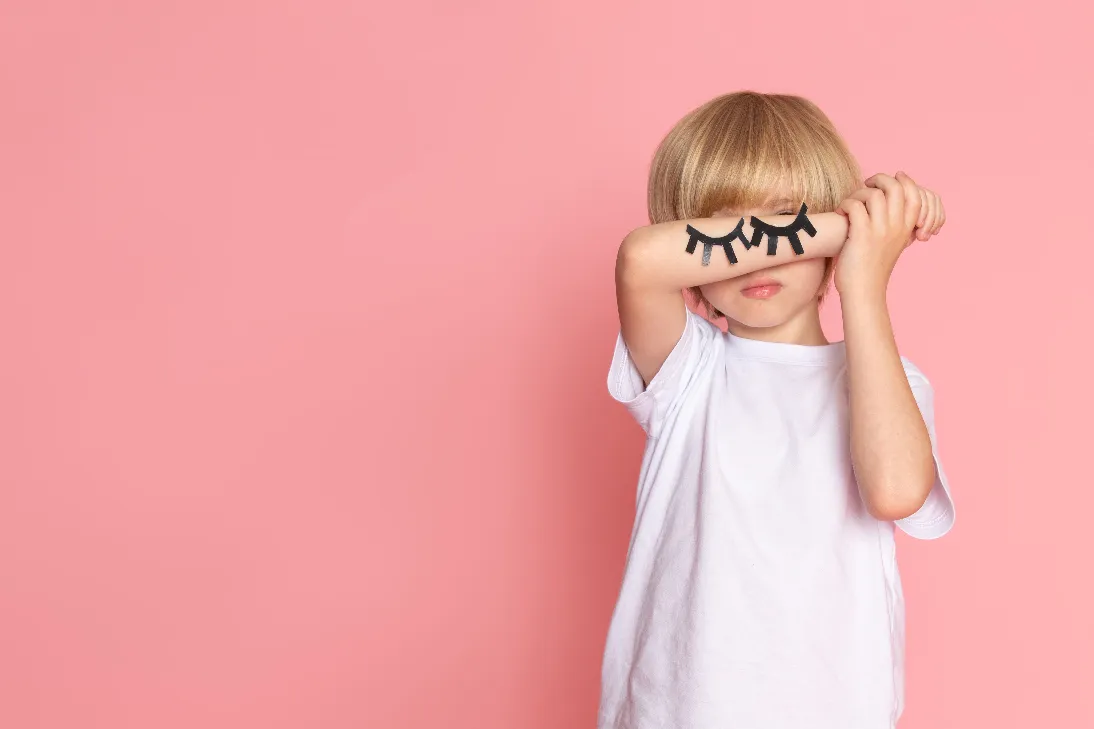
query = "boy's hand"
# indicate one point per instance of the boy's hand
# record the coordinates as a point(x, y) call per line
point(884, 218)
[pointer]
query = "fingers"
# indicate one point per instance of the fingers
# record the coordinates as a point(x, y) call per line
point(941, 212)
point(913, 200)
point(930, 223)
point(921, 226)
point(890, 203)
point(855, 210)
point(893, 196)
point(874, 202)
point(927, 213)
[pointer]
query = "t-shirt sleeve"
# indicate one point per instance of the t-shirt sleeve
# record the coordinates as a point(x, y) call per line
point(936, 516)
point(651, 405)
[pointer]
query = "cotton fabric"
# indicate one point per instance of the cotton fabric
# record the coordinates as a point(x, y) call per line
point(758, 592)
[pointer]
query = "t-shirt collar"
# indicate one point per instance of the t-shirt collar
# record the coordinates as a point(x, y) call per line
point(785, 352)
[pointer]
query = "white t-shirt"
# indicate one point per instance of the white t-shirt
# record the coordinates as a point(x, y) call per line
point(758, 592)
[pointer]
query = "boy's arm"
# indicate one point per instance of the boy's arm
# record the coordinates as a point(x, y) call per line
point(890, 444)
point(653, 265)
point(656, 256)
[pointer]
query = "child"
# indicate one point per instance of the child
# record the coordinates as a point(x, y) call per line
point(761, 588)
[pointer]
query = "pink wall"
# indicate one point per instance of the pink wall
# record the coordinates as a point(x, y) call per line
point(307, 311)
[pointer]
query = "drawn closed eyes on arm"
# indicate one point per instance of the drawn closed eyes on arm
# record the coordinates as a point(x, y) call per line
point(656, 262)
point(759, 230)
point(661, 256)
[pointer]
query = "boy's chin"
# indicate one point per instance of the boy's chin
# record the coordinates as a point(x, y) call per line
point(759, 324)
point(759, 319)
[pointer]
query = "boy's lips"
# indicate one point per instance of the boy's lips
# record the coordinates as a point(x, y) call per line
point(760, 281)
point(761, 288)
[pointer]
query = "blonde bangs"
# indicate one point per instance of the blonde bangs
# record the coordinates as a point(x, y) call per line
point(739, 149)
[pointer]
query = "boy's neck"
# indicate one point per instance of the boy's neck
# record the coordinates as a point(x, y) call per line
point(804, 327)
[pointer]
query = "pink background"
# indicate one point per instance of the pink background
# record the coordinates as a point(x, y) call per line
point(307, 312)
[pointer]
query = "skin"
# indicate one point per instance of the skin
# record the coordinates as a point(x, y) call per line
point(890, 445)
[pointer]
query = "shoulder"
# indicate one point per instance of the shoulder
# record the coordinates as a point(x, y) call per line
point(691, 363)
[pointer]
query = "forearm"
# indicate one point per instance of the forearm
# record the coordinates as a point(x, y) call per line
point(658, 255)
point(890, 445)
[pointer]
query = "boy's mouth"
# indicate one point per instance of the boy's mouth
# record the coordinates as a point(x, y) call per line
point(764, 291)
point(761, 288)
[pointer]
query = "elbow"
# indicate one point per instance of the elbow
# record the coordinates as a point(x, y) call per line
point(630, 260)
point(892, 509)
point(900, 500)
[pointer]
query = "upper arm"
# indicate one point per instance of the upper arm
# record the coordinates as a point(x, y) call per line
point(651, 318)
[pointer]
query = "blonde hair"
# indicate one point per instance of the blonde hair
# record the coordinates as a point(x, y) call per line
point(738, 149)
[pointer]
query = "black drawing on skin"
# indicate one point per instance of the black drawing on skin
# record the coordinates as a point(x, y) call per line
point(725, 241)
point(759, 230)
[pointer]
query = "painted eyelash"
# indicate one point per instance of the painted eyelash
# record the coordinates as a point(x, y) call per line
point(725, 241)
point(759, 230)
point(773, 232)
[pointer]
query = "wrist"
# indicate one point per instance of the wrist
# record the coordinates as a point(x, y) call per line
point(863, 295)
